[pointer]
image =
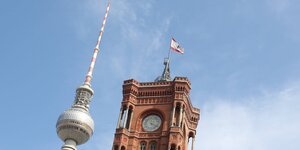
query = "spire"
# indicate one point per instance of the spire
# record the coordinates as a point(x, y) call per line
point(166, 73)
point(75, 125)
point(89, 74)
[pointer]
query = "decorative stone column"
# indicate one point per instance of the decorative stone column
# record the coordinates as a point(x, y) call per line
point(173, 115)
point(125, 119)
point(183, 116)
point(120, 117)
point(193, 140)
point(180, 115)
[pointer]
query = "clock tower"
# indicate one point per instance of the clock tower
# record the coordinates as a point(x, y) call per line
point(157, 115)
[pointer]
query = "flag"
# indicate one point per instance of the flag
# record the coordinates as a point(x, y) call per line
point(175, 46)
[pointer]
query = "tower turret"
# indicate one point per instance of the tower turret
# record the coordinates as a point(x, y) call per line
point(75, 125)
point(166, 75)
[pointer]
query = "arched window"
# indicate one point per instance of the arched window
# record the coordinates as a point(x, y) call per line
point(173, 147)
point(129, 117)
point(177, 114)
point(122, 148)
point(116, 147)
point(152, 146)
point(143, 146)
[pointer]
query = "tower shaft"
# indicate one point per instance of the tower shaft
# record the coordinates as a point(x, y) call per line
point(75, 125)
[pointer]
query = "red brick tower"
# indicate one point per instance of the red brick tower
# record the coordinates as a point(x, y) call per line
point(156, 115)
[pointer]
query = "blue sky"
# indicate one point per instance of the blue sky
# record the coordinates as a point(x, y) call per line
point(242, 57)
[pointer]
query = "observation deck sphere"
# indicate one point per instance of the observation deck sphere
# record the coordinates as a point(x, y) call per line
point(76, 124)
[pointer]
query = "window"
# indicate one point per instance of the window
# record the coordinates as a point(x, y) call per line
point(143, 146)
point(116, 147)
point(173, 147)
point(152, 146)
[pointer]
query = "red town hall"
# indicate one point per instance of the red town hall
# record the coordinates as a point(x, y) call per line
point(156, 115)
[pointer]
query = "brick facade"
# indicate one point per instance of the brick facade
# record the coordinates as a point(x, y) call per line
point(169, 101)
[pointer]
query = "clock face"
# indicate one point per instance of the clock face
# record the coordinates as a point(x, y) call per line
point(151, 123)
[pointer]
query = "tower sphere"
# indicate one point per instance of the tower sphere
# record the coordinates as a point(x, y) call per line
point(76, 124)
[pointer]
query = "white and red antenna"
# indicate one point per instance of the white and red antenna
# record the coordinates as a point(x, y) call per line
point(89, 74)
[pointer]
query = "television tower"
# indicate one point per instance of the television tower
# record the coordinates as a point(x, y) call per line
point(75, 125)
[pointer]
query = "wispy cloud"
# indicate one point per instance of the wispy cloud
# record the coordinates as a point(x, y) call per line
point(262, 123)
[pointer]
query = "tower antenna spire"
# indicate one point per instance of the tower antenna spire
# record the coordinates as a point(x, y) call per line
point(75, 125)
point(89, 74)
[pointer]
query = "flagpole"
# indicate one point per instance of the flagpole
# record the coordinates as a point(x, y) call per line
point(166, 73)
point(169, 49)
point(168, 59)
